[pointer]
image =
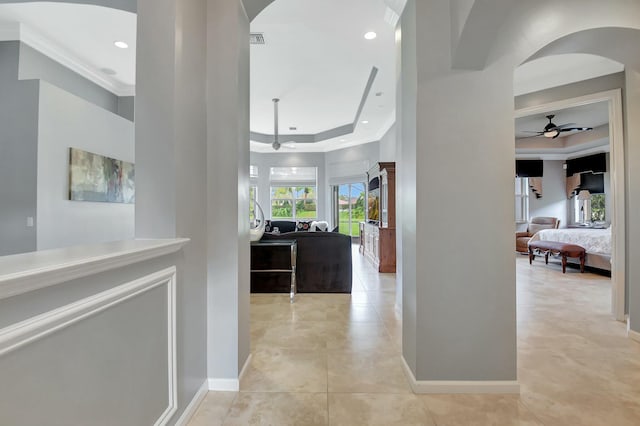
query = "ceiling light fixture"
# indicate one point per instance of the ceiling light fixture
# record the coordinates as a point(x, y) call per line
point(365, 122)
point(343, 140)
point(121, 44)
point(370, 35)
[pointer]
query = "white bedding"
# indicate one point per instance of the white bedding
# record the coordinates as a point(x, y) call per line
point(593, 240)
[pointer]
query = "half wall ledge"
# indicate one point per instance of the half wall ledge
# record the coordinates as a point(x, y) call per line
point(22, 273)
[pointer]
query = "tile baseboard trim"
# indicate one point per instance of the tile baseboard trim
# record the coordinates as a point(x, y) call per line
point(229, 385)
point(633, 335)
point(460, 386)
point(224, 385)
point(193, 406)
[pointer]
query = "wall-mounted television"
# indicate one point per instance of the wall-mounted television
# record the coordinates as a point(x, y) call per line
point(373, 200)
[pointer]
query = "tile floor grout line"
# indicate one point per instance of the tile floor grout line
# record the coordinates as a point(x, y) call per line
point(557, 316)
point(533, 413)
point(224, 418)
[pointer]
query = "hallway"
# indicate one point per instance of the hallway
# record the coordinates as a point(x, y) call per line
point(336, 359)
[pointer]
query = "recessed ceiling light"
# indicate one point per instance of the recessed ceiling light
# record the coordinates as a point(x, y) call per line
point(343, 140)
point(370, 35)
point(365, 122)
point(121, 44)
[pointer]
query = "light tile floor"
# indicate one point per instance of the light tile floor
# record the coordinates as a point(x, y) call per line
point(335, 359)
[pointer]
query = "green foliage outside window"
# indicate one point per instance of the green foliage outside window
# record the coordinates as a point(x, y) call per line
point(293, 202)
point(597, 207)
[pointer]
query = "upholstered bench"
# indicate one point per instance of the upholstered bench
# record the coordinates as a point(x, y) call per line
point(557, 248)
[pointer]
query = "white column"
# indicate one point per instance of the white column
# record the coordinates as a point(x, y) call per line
point(228, 190)
point(171, 161)
point(456, 173)
point(632, 151)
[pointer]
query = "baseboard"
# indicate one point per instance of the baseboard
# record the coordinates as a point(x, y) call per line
point(633, 335)
point(224, 385)
point(229, 385)
point(244, 367)
point(460, 386)
point(191, 409)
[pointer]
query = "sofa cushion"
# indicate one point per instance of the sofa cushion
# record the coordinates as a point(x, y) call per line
point(303, 225)
point(319, 226)
point(283, 226)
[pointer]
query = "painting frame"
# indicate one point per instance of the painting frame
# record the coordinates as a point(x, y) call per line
point(98, 178)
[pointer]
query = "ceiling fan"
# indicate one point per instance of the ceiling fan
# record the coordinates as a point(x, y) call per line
point(552, 131)
point(276, 145)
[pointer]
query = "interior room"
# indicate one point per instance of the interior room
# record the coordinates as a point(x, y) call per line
point(299, 212)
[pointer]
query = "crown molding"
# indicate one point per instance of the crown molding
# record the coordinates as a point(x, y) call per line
point(20, 32)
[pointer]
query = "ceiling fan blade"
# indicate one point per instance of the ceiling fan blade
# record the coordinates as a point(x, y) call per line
point(530, 131)
point(577, 129)
point(532, 136)
point(566, 125)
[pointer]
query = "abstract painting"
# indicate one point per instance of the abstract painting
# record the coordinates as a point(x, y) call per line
point(94, 177)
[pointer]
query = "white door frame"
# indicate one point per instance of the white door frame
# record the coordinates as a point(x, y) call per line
point(616, 152)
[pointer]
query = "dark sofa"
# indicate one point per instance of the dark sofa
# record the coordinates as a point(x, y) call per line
point(323, 264)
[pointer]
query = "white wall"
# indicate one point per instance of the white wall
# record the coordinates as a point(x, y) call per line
point(388, 145)
point(554, 201)
point(18, 147)
point(68, 121)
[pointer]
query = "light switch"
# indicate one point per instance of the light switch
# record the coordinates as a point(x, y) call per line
point(30, 222)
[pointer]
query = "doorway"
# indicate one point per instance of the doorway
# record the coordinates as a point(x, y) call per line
point(348, 207)
point(613, 100)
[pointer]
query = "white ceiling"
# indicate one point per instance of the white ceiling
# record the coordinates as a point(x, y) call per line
point(317, 61)
point(79, 36)
point(592, 115)
point(569, 144)
point(558, 70)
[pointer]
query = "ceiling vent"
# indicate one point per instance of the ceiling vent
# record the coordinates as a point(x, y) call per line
point(256, 38)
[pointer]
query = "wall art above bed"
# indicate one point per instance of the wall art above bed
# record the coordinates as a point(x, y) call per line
point(94, 177)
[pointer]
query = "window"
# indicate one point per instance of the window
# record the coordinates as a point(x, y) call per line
point(597, 207)
point(351, 207)
point(592, 210)
point(293, 193)
point(522, 200)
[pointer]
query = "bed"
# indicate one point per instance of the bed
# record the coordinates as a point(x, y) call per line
point(597, 243)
